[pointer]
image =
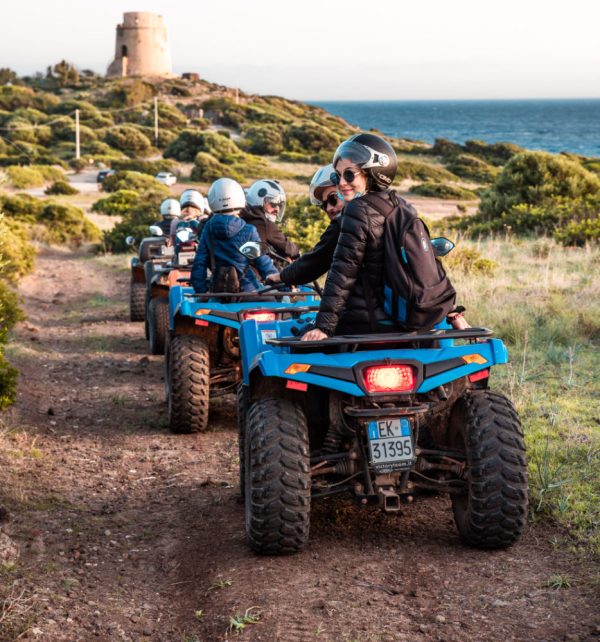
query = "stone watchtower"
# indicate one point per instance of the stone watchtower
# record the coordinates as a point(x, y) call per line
point(142, 47)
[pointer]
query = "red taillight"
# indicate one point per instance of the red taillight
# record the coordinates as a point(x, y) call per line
point(389, 378)
point(260, 317)
point(478, 376)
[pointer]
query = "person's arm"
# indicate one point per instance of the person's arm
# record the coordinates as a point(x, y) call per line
point(310, 266)
point(263, 263)
point(277, 239)
point(347, 260)
point(199, 269)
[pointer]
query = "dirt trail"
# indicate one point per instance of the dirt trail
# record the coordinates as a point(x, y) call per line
point(128, 532)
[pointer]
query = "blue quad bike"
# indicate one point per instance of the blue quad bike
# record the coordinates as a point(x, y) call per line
point(202, 355)
point(378, 416)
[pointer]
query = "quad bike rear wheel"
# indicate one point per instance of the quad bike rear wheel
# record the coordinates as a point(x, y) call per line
point(493, 511)
point(188, 386)
point(137, 293)
point(242, 410)
point(148, 273)
point(158, 323)
point(277, 477)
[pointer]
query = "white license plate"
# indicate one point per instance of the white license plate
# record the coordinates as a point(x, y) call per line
point(391, 443)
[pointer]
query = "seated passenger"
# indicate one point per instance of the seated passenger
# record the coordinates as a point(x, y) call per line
point(310, 266)
point(265, 209)
point(223, 234)
point(170, 212)
point(193, 213)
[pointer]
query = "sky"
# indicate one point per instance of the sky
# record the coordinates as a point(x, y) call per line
point(343, 50)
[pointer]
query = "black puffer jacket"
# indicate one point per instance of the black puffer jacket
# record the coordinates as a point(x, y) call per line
point(357, 261)
point(270, 233)
point(310, 266)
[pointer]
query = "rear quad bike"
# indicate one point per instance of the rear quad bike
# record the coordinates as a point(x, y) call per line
point(202, 356)
point(377, 416)
point(153, 250)
point(159, 279)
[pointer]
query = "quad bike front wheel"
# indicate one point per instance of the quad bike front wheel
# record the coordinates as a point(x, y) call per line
point(158, 323)
point(276, 477)
point(493, 511)
point(188, 386)
point(137, 293)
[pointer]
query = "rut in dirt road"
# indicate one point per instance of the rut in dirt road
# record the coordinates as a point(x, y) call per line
point(128, 532)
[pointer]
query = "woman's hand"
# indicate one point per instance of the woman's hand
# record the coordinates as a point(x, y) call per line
point(273, 278)
point(314, 335)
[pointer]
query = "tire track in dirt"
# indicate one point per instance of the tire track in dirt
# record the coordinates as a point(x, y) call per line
point(128, 532)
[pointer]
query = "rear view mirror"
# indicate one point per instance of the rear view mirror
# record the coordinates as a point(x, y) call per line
point(441, 246)
point(251, 250)
point(130, 240)
point(155, 230)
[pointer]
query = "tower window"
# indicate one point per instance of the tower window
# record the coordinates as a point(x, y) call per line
point(124, 51)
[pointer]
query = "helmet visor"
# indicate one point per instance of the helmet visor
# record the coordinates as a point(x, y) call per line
point(361, 155)
point(277, 206)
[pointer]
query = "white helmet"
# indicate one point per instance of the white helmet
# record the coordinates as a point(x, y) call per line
point(192, 198)
point(226, 195)
point(320, 180)
point(170, 207)
point(270, 191)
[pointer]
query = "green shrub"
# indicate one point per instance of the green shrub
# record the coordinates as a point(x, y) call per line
point(304, 223)
point(128, 93)
point(129, 140)
point(423, 171)
point(17, 254)
point(79, 164)
point(264, 139)
point(63, 129)
point(446, 148)
point(13, 97)
point(496, 154)
point(60, 187)
point(442, 190)
point(469, 261)
point(22, 207)
point(579, 232)
point(135, 224)
point(32, 176)
point(136, 181)
point(472, 168)
point(207, 169)
point(538, 179)
point(144, 166)
point(8, 382)
point(295, 157)
point(191, 141)
point(66, 224)
point(309, 137)
point(118, 203)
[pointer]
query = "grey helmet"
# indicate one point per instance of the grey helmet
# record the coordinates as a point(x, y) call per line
point(192, 198)
point(267, 190)
point(226, 195)
point(320, 181)
point(170, 208)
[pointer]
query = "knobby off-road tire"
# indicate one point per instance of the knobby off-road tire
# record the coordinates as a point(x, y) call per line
point(189, 366)
point(242, 410)
point(493, 513)
point(148, 272)
point(158, 324)
point(277, 477)
point(137, 292)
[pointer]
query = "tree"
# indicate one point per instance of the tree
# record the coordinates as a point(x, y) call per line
point(7, 76)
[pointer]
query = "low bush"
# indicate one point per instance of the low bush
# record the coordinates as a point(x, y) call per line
point(442, 190)
point(21, 207)
point(145, 166)
point(66, 225)
point(207, 169)
point(304, 223)
point(136, 181)
point(472, 168)
point(580, 233)
point(420, 171)
point(468, 261)
point(118, 203)
point(17, 254)
point(309, 137)
point(129, 140)
point(135, 224)
point(191, 141)
point(295, 157)
point(33, 175)
point(264, 139)
point(61, 187)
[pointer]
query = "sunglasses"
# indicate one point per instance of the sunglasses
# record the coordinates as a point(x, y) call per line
point(348, 175)
point(332, 200)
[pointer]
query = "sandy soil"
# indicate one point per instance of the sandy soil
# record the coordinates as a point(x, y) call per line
point(123, 531)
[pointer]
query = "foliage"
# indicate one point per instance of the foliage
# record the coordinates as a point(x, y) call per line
point(473, 168)
point(135, 223)
point(32, 176)
point(13, 97)
point(304, 223)
point(191, 141)
point(443, 190)
point(126, 180)
point(17, 254)
point(495, 154)
point(309, 137)
point(128, 93)
point(118, 203)
point(63, 74)
point(420, 171)
point(468, 260)
point(7, 76)
point(264, 139)
point(66, 224)
point(129, 140)
point(538, 179)
point(22, 207)
point(61, 187)
point(151, 167)
point(207, 169)
point(63, 129)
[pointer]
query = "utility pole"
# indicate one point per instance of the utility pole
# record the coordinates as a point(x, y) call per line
point(77, 146)
point(156, 121)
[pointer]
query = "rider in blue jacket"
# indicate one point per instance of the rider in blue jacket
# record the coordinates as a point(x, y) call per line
point(222, 236)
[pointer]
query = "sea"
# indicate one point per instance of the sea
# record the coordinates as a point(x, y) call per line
point(549, 125)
